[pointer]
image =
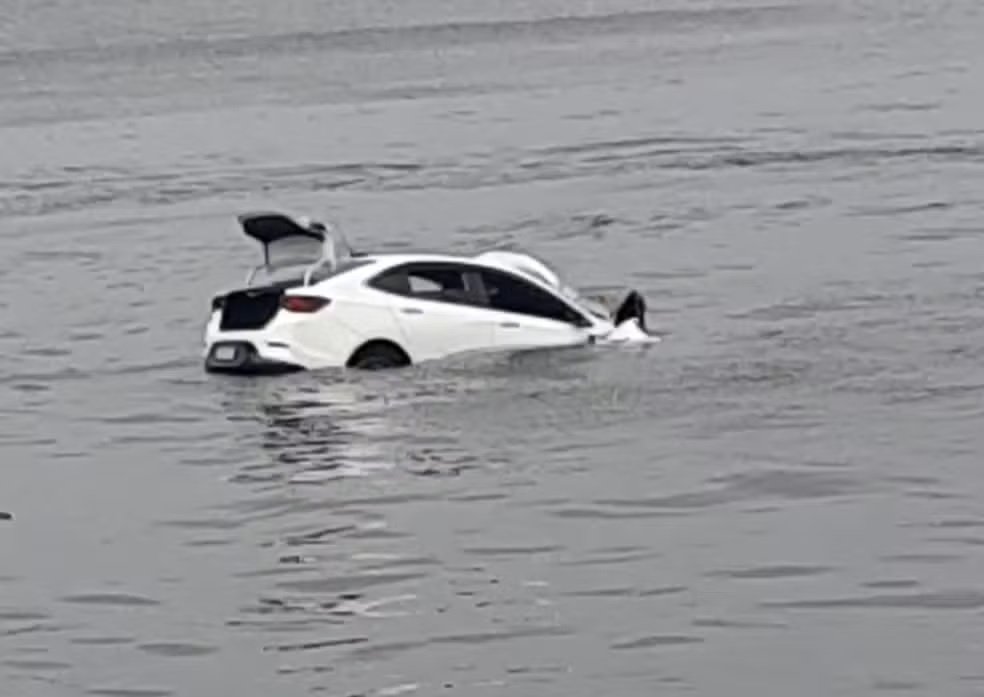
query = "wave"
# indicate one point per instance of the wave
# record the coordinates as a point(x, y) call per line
point(55, 192)
point(428, 36)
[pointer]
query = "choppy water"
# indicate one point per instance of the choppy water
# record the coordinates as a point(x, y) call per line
point(784, 497)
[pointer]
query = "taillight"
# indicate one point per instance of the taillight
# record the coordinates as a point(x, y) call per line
point(303, 303)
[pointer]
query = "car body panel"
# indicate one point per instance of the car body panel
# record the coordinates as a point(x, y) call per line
point(436, 329)
point(515, 332)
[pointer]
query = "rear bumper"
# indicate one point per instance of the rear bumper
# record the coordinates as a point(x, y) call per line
point(242, 358)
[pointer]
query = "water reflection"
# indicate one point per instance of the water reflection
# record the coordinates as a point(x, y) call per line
point(315, 426)
point(435, 419)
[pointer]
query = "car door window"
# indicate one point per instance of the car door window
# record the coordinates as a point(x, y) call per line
point(508, 293)
point(440, 282)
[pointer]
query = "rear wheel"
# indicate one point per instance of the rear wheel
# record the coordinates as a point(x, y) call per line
point(379, 355)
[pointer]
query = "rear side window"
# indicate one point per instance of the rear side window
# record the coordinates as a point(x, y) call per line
point(510, 294)
point(440, 282)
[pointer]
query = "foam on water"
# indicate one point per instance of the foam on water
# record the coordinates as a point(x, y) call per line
point(629, 332)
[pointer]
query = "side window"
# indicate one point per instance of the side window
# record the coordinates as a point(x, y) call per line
point(392, 281)
point(422, 284)
point(425, 282)
point(510, 294)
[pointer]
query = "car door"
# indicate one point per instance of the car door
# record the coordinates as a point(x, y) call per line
point(527, 316)
point(437, 309)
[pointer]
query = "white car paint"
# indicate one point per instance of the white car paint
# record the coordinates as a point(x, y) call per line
point(434, 329)
point(514, 332)
point(425, 329)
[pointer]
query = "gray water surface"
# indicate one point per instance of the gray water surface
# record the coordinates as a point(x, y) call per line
point(782, 498)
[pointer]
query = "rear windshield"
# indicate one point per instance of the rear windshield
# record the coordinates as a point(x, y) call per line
point(295, 271)
point(293, 250)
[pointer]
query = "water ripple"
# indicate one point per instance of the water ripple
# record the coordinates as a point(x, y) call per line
point(774, 572)
point(941, 600)
point(657, 641)
point(796, 463)
point(111, 599)
point(557, 163)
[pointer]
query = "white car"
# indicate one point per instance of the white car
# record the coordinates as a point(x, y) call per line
point(314, 303)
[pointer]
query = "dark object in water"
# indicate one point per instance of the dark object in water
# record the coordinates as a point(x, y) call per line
point(634, 306)
point(6, 516)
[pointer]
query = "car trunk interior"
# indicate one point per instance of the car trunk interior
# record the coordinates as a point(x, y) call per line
point(253, 307)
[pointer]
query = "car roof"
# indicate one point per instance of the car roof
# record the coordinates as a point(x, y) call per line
point(391, 259)
point(386, 260)
point(487, 258)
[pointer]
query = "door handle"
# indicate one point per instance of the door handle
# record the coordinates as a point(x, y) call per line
point(411, 311)
point(509, 325)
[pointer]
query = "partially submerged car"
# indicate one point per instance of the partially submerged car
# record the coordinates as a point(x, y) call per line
point(315, 303)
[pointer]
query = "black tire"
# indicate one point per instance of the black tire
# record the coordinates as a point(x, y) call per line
point(379, 355)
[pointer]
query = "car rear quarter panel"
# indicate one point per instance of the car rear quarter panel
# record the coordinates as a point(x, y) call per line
point(352, 321)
